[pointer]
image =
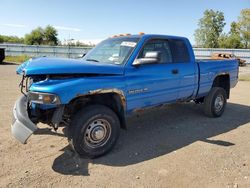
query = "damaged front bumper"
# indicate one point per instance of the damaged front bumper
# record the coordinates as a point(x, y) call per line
point(22, 127)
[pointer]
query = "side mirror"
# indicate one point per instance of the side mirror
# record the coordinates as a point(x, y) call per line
point(150, 58)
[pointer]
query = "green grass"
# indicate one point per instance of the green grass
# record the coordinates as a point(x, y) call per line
point(16, 59)
point(244, 78)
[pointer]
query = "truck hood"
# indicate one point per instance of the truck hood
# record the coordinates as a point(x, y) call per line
point(48, 66)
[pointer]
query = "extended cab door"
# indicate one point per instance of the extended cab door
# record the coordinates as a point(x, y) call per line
point(183, 58)
point(153, 84)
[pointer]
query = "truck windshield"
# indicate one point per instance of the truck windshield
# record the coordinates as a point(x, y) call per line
point(113, 50)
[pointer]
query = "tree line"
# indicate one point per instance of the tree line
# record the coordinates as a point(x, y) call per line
point(39, 36)
point(210, 31)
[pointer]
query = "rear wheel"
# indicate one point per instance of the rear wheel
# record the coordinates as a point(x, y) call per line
point(215, 102)
point(94, 131)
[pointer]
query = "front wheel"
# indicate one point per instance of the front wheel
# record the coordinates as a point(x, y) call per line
point(94, 131)
point(215, 102)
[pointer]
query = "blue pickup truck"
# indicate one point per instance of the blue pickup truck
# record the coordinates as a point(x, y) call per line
point(92, 96)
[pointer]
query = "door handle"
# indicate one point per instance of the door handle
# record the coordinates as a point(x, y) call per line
point(175, 71)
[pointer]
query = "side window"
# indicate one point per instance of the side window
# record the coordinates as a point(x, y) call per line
point(179, 51)
point(159, 45)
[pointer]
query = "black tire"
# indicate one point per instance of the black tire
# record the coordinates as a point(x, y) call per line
point(215, 102)
point(83, 134)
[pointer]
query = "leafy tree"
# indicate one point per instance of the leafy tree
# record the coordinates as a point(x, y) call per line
point(234, 28)
point(40, 36)
point(35, 37)
point(244, 27)
point(50, 35)
point(1, 39)
point(210, 27)
point(232, 39)
point(223, 41)
point(11, 39)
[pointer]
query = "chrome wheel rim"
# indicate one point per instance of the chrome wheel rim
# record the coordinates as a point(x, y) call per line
point(97, 133)
point(219, 103)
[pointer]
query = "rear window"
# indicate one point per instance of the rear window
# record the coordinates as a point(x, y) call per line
point(179, 51)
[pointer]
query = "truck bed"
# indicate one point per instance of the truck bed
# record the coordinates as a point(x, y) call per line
point(209, 69)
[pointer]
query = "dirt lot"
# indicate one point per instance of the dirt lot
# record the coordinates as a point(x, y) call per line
point(172, 147)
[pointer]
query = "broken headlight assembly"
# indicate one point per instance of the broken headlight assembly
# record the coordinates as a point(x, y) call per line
point(43, 98)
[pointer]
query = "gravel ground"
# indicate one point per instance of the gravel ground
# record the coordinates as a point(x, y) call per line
point(176, 146)
point(244, 71)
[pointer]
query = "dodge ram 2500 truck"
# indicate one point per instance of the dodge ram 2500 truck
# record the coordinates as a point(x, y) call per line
point(93, 96)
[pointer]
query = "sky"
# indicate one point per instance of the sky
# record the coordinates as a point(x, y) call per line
point(94, 20)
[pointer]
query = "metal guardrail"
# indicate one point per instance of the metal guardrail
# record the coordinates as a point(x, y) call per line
point(74, 52)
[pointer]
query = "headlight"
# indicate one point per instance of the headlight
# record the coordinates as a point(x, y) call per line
point(43, 98)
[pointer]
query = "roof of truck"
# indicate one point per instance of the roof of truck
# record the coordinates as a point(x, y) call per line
point(149, 36)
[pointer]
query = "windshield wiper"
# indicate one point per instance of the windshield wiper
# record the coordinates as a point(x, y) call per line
point(92, 60)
